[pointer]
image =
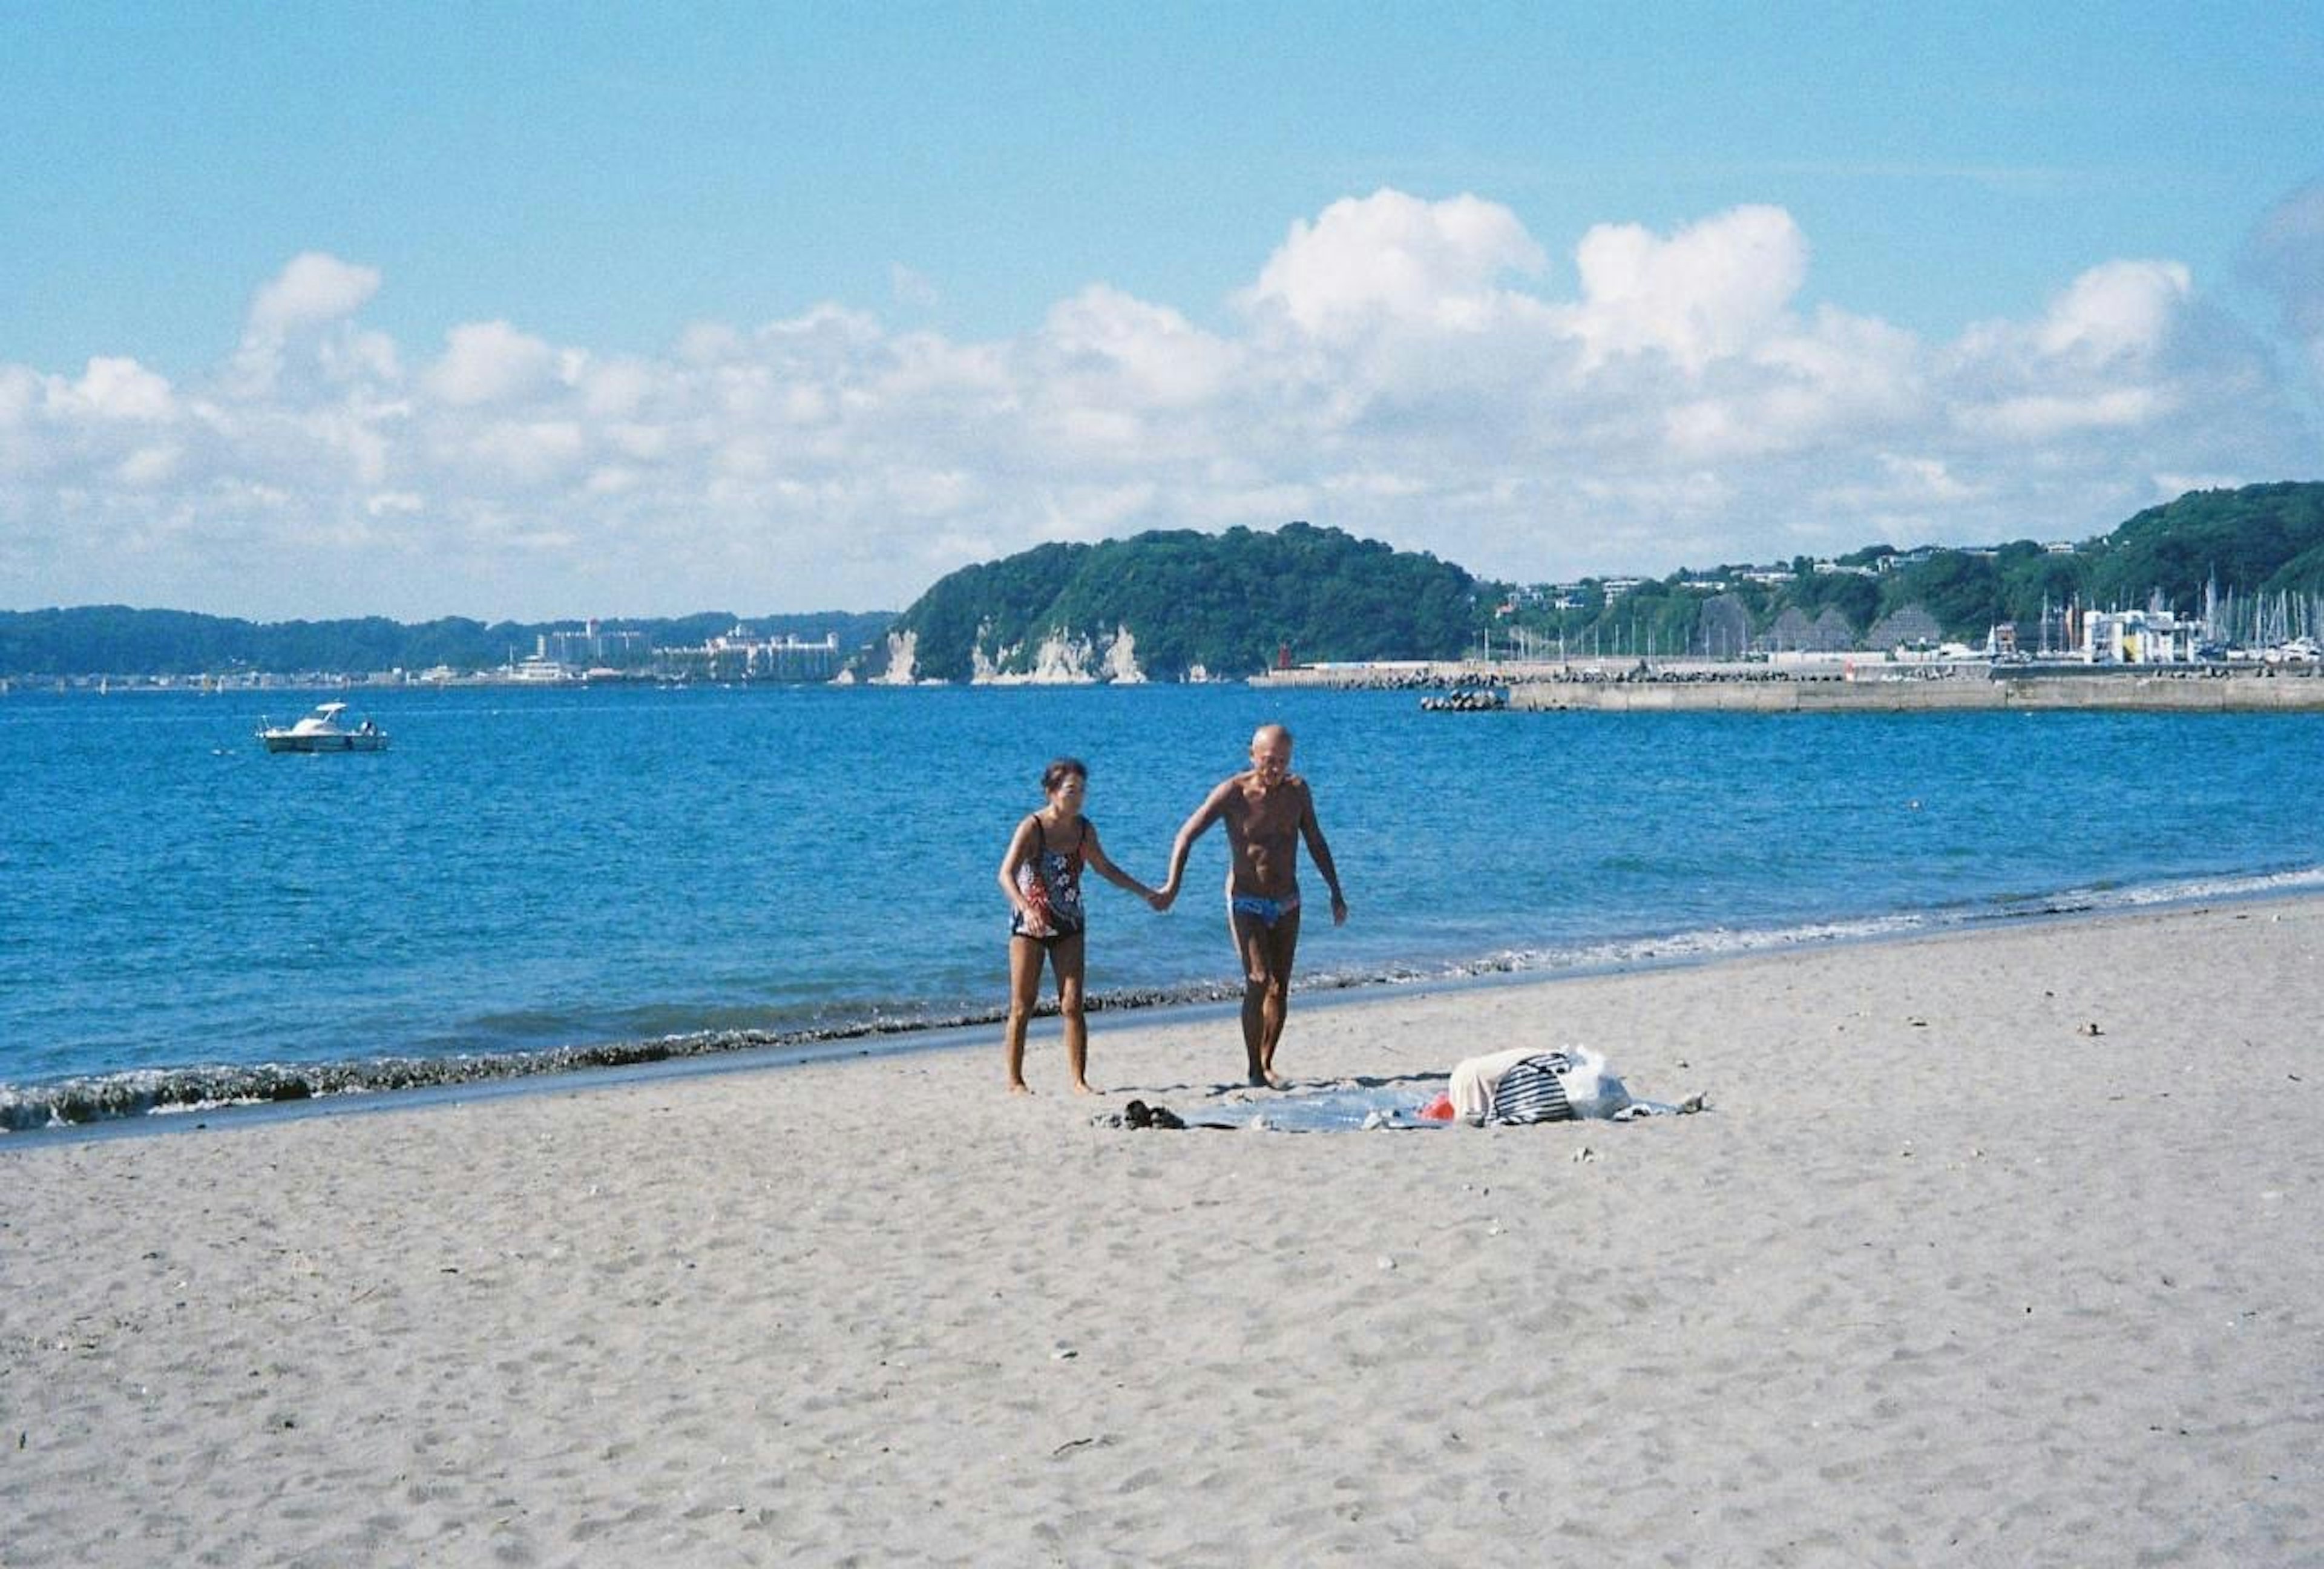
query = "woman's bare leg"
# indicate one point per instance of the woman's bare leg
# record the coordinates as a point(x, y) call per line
point(1024, 990)
point(1067, 960)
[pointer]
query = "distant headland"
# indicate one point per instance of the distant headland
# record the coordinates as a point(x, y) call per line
point(2215, 578)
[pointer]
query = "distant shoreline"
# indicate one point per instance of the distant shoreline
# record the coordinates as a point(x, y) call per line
point(1540, 687)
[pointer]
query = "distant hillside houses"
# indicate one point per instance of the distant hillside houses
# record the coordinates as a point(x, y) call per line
point(1877, 561)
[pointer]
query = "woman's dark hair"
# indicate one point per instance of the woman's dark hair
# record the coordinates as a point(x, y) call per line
point(1059, 767)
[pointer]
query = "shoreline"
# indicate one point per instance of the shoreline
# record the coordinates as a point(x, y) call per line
point(163, 1099)
point(1992, 1247)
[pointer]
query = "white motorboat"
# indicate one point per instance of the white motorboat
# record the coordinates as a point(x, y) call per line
point(322, 731)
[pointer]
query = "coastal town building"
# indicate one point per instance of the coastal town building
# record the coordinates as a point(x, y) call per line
point(743, 655)
point(2140, 637)
point(592, 646)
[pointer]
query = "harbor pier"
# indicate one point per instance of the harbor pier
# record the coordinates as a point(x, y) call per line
point(1873, 687)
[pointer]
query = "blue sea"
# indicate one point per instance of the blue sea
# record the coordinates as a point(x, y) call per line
point(534, 880)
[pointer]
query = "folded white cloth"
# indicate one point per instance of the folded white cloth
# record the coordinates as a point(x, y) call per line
point(1475, 1078)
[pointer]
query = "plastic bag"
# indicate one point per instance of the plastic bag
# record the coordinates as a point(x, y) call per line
point(1592, 1089)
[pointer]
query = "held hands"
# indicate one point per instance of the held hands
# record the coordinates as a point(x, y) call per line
point(1164, 897)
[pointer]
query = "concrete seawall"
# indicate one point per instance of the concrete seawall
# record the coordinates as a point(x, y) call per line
point(1710, 690)
point(2215, 695)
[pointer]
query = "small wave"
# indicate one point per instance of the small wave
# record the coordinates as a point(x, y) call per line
point(2297, 880)
point(103, 1097)
point(1723, 941)
point(159, 1092)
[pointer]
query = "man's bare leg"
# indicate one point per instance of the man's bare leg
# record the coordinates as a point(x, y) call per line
point(1282, 944)
point(1266, 977)
point(1250, 934)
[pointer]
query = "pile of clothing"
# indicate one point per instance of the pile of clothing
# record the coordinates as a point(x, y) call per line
point(1528, 1084)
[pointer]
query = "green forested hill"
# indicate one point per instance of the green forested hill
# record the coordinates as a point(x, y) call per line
point(2264, 538)
point(1224, 603)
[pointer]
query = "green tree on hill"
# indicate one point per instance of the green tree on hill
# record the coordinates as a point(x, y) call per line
point(1224, 603)
point(2262, 538)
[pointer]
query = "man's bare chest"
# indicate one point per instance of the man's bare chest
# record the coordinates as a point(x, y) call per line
point(1267, 816)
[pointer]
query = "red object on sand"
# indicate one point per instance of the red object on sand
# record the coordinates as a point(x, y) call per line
point(1439, 1109)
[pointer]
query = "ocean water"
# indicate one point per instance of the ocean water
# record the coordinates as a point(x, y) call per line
point(528, 881)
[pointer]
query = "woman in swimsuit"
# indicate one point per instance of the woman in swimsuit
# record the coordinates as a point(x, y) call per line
point(1042, 876)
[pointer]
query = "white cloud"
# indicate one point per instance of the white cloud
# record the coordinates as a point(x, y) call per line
point(307, 306)
point(616, 388)
point(1710, 291)
point(1401, 367)
point(1102, 343)
point(2122, 309)
point(2043, 417)
point(1394, 257)
point(117, 389)
point(314, 288)
point(529, 453)
point(151, 465)
point(490, 362)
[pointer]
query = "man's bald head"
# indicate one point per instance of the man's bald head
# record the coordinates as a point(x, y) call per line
point(1270, 754)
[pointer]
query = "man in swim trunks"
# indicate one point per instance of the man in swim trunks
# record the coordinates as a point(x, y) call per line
point(1268, 810)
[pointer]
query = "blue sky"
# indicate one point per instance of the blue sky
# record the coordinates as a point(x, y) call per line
point(564, 310)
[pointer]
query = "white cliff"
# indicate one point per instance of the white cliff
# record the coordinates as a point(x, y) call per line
point(1121, 660)
point(1061, 659)
point(903, 661)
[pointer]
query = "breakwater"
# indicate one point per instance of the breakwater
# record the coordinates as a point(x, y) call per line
point(2145, 694)
point(1757, 689)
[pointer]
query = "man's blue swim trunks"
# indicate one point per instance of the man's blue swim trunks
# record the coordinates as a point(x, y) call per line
point(1268, 911)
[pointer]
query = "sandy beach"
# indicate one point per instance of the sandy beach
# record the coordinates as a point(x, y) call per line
point(1993, 1248)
